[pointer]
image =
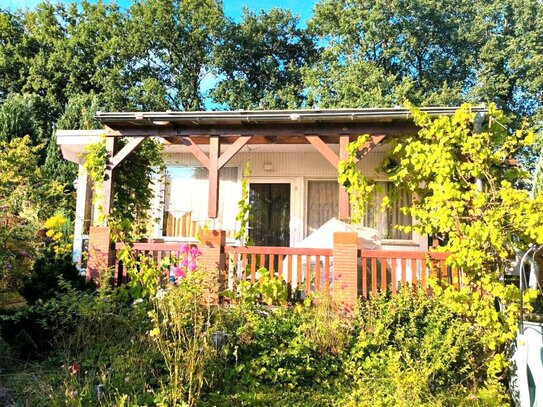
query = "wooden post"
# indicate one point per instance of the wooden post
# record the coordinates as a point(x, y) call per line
point(213, 197)
point(345, 283)
point(107, 188)
point(344, 209)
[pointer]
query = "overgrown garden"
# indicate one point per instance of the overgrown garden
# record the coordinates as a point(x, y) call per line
point(66, 342)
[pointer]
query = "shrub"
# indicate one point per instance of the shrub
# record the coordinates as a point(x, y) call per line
point(411, 349)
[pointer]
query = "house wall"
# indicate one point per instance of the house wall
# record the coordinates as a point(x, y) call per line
point(296, 167)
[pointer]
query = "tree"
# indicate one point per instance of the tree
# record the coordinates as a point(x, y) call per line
point(430, 52)
point(259, 61)
point(171, 43)
point(18, 118)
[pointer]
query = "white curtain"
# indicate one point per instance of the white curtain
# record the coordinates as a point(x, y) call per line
point(187, 190)
point(322, 203)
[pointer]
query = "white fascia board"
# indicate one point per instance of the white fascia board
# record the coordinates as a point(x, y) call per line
point(72, 142)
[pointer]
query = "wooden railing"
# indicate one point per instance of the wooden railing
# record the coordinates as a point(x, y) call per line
point(155, 251)
point(308, 270)
point(304, 270)
point(386, 269)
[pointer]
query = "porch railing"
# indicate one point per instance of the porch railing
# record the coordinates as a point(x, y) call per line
point(309, 270)
point(387, 269)
point(305, 269)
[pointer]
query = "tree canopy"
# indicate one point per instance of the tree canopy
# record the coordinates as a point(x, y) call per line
point(60, 62)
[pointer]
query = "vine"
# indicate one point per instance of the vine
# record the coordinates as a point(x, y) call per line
point(244, 209)
point(444, 166)
point(130, 215)
point(359, 187)
point(95, 161)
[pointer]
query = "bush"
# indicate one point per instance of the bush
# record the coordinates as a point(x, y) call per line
point(49, 269)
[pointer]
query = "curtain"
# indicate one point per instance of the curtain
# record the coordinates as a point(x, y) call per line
point(187, 190)
point(322, 203)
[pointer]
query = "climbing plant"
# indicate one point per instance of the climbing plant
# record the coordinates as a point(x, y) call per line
point(463, 186)
point(244, 209)
point(131, 208)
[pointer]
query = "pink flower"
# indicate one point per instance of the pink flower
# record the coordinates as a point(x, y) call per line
point(191, 267)
point(195, 252)
point(178, 272)
point(184, 248)
point(184, 262)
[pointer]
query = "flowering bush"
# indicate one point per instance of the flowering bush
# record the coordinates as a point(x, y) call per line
point(59, 231)
point(185, 261)
point(146, 277)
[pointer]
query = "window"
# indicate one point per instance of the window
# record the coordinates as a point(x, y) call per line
point(185, 200)
point(322, 205)
point(385, 221)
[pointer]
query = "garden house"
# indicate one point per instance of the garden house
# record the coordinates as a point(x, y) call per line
point(293, 157)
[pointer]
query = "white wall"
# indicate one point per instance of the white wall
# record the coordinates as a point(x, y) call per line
point(297, 166)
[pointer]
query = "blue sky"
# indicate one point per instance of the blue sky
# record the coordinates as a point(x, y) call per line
point(232, 8)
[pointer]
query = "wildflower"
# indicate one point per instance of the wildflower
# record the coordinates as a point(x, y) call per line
point(195, 252)
point(74, 368)
point(191, 267)
point(178, 272)
point(160, 293)
point(184, 248)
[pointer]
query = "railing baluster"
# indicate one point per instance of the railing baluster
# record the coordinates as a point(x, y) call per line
point(317, 273)
point(374, 275)
point(280, 267)
point(299, 271)
point(272, 266)
point(393, 276)
point(404, 272)
point(244, 266)
point(364, 276)
point(423, 274)
point(253, 268)
point(327, 274)
point(414, 273)
point(289, 270)
point(383, 274)
point(307, 275)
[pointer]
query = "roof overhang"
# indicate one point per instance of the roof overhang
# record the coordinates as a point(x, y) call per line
point(267, 126)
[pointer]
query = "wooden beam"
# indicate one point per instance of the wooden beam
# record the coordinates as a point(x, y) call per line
point(232, 150)
point(196, 151)
point(281, 130)
point(127, 149)
point(107, 186)
point(368, 145)
point(344, 209)
point(324, 149)
point(213, 196)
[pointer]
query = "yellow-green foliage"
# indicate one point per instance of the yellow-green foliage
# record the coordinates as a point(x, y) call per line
point(59, 231)
point(244, 208)
point(359, 187)
point(442, 165)
point(464, 191)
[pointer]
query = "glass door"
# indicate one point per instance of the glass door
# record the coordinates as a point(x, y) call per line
point(270, 214)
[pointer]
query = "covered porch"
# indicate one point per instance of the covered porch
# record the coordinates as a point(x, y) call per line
point(299, 149)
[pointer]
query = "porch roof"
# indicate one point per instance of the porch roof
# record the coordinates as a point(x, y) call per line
point(263, 117)
point(234, 129)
